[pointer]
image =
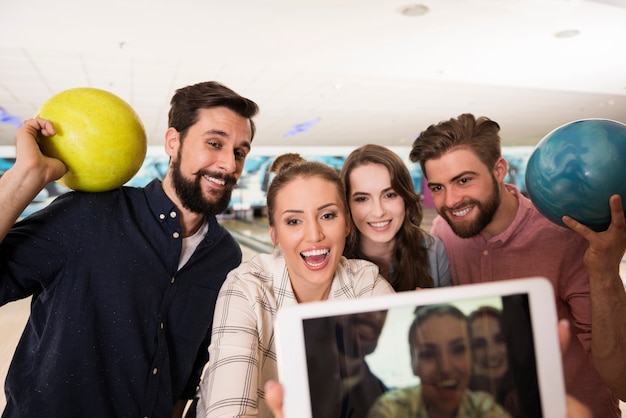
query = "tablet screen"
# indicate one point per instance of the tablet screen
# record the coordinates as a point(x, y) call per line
point(475, 356)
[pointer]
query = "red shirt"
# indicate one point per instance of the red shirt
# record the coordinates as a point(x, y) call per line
point(534, 246)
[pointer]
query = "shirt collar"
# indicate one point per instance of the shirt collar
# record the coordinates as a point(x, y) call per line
point(160, 204)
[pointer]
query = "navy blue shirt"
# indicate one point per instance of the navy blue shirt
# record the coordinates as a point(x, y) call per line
point(115, 330)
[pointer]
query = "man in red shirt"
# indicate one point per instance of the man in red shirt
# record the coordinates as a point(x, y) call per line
point(492, 232)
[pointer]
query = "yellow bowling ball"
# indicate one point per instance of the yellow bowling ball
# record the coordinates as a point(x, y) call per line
point(99, 138)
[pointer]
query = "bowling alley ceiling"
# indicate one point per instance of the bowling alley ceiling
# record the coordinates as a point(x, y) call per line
point(326, 72)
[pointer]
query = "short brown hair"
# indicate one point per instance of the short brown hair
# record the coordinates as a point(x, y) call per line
point(188, 100)
point(479, 135)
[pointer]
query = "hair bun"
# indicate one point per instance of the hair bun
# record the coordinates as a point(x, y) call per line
point(284, 161)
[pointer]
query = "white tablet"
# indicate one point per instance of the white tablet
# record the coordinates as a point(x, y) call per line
point(491, 346)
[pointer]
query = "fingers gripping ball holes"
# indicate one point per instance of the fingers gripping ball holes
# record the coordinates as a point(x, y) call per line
point(99, 138)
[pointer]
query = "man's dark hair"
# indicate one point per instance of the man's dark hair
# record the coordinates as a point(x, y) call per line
point(188, 100)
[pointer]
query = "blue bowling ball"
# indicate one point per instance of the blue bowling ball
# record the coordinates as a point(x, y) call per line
point(576, 168)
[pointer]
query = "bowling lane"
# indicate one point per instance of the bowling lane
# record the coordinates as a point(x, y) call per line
point(252, 235)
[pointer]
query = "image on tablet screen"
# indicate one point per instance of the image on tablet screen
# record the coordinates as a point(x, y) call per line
point(474, 357)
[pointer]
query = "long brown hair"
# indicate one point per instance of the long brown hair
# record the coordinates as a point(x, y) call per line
point(410, 255)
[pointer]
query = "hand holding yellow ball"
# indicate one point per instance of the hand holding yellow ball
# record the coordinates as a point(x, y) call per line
point(99, 138)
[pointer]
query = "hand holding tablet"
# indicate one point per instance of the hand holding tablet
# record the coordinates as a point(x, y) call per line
point(315, 339)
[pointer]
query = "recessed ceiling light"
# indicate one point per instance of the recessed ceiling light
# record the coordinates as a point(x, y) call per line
point(569, 33)
point(414, 10)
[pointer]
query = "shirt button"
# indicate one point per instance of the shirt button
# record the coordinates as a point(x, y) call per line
point(155, 370)
point(173, 280)
point(176, 235)
point(161, 216)
point(172, 214)
point(162, 325)
point(485, 252)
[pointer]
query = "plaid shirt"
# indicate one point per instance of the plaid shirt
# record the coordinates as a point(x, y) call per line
point(242, 355)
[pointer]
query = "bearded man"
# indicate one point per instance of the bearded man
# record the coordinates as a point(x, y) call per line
point(124, 282)
point(492, 232)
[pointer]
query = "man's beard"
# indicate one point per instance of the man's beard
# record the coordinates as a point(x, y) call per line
point(486, 211)
point(190, 191)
